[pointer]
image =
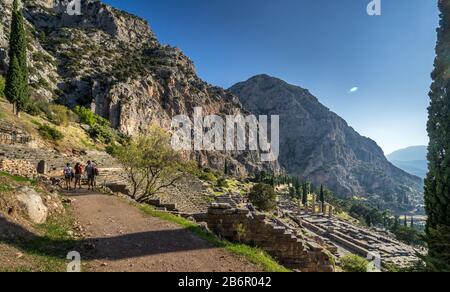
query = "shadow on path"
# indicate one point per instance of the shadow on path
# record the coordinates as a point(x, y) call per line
point(121, 247)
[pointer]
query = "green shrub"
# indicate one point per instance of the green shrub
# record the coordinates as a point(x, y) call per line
point(89, 118)
point(50, 133)
point(354, 264)
point(208, 177)
point(409, 235)
point(263, 197)
point(102, 134)
point(33, 109)
point(112, 149)
point(59, 114)
point(222, 183)
point(2, 86)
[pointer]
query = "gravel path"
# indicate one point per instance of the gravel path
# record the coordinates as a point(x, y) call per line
point(121, 238)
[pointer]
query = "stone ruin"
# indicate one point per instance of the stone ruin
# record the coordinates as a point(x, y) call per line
point(256, 229)
point(10, 135)
point(343, 237)
point(18, 167)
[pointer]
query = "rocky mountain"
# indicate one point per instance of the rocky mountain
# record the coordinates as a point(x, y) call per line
point(318, 145)
point(111, 61)
point(413, 160)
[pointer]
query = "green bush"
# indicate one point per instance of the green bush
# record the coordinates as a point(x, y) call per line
point(354, 264)
point(2, 86)
point(33, 108)
point(409, 235)
point(59, 114)
point(207, 175)
point(102, 133)
point(112, 149)
point(263, 197)
point(86, 116)
point(100, 127)
point(222, 183)
point(50, 133)
point(89, 118)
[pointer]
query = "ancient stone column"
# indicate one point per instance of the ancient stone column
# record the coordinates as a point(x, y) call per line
point(330, 211)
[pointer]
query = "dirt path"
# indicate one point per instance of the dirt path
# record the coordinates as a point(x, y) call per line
point(121, 238)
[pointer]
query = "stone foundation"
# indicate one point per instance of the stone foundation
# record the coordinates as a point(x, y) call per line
point(288, 248)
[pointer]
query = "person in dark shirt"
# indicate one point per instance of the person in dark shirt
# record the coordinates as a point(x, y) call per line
point(91, 172)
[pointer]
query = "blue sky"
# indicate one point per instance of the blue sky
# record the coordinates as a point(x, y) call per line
point(372, 71)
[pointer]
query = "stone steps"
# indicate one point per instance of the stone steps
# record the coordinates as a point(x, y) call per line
point(241, 225)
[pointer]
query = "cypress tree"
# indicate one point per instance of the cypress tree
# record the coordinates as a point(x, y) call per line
point(396, 223)
point(16, 88)
point(437, 184)
point(322, 196)
point(305, 194)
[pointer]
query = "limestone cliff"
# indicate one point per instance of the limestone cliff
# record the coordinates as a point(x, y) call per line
point(318, 145)
point(111, 61)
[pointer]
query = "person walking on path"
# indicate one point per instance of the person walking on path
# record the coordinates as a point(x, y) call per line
point(68, 176)
point(92, 173)
point(78, 175)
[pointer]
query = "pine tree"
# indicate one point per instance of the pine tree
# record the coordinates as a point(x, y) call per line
point(437, 184)
point(16, 88)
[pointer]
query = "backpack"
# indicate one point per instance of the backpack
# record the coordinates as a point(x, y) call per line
point(79, 170)
point(68, 172)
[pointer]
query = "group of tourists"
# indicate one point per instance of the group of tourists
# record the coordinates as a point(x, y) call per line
point(75, 174)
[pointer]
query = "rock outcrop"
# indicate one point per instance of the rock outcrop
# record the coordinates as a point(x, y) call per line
point(31, 202)
point(110, 61)
point(318, 145)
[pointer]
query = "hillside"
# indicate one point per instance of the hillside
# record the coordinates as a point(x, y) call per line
point(110, 61)
point(320, 146)
point(412, 160)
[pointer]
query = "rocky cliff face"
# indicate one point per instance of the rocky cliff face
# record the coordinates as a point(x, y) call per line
point(318, 145)
point(110, 61)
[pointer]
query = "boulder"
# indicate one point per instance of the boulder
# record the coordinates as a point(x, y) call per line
point(32, 204)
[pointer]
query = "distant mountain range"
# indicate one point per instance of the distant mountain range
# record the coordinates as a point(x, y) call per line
point(318, 145)
point(412, 160)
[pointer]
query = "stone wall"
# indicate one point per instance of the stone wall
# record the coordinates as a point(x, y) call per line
point(288, 248)
point(18, 167)
point(10, 135)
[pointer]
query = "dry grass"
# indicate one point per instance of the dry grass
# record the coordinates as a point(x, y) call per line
point(74, 136)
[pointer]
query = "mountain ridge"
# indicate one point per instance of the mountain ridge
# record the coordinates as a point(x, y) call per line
point(412, 159)
point(111, 62)
point(324, 148)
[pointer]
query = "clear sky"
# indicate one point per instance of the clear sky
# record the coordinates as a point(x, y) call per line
point(372, 71)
